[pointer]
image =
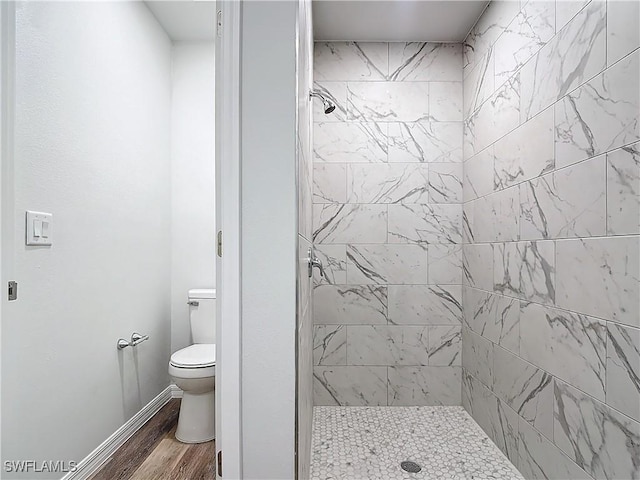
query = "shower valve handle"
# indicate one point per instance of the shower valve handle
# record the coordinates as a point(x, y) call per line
point(315, 262)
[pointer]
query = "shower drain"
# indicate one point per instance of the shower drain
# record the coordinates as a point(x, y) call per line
point(411, 467)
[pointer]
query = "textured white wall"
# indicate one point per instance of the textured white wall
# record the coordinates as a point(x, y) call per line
point(92, 147)
point(193, 230)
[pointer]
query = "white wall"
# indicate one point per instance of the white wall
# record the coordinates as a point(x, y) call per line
point(269, 229)
point(92, 147)
point(192, 179)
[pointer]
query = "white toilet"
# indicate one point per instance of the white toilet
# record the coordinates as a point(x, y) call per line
point(193, 370)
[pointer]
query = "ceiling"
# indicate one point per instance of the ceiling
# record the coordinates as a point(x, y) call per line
point(186, 20)
point(395, 20)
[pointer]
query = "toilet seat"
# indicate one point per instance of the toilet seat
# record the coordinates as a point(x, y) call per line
point(195, 361)
point(200, 355)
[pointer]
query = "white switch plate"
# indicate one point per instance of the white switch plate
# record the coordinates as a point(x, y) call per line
point(39, 228)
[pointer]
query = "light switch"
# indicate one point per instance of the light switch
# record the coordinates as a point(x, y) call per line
point(39, 228)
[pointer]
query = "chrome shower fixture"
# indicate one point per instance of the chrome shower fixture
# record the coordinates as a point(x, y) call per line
point(328, 105)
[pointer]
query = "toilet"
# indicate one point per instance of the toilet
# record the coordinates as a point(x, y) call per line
point(193, 370)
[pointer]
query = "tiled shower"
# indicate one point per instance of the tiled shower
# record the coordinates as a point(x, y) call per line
point(477, 207)
point(387, 219)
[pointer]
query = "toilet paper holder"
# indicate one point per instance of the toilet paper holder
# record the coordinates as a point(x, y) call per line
point(136, 339)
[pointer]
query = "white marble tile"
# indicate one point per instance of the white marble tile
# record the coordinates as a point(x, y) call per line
point(304, 344)
point(386, 264)
point(425, 142)
point(435, 223)
point(444, 264)
point(329, 183)
point(504, 215)
point(431, 386)
point(527, 152)
point(478, 175)
point(525, 270)
point(388, 183)
point(334, 261)
point(388, 101)
point(329, 345)
point(350, 305)
point(425, 305)
point(387, 345)
point(477, 356)
point(479, 83)
point(574, 55)
point(494, 20)
point(568, 345)
point(305, 191)
point(349, 386)
point(304, 361)
point(600, 277)
point(540, 459)
point(477, 266)
point(344, 223)
point(525, 388)
point(496, 117)
point(426, 62)
point(494, 416)
point(492, 316)
point(445, 182)
point(623, 191)
point(623, 29)
point(532, 28)
point(506, 107)
point(570, 202)
point(599, 439)
point(337, 93)
point(445, 101)
point(566, 10)
point(623, 369)
point(496, 216)
point(600, 115)
point(445, 346)
point(478, 220)
point(341, 142)
point(468, 221)
point(350, 61)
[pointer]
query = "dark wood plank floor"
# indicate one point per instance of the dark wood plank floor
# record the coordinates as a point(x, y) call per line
point(153, 453)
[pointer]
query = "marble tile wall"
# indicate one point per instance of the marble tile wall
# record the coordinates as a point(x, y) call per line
point(551, 235)
point(304, 285)
point(387, 224)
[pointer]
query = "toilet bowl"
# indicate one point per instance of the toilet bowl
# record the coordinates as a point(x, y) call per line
point(193, 370)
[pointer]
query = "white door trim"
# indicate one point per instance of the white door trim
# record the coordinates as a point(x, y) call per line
point(7, 121)
point(228, 323)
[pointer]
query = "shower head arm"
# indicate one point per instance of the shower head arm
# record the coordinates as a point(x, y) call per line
point(328, 105)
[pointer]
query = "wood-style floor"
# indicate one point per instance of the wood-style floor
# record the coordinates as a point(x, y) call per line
point(153, 453)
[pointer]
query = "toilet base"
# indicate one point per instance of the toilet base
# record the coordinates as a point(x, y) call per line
point(196, 422)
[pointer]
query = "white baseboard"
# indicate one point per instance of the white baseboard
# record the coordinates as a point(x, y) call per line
point(92, 462)
point(175, 391)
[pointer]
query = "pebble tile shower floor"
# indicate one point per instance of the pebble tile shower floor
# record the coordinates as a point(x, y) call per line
point(356, 443)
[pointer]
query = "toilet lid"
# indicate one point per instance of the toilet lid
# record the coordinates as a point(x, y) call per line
point(195, 356)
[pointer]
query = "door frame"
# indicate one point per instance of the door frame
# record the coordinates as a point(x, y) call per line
point(7, 121)
point(228, 220)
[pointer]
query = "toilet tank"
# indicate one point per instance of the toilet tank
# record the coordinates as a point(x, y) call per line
point(202, 315)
